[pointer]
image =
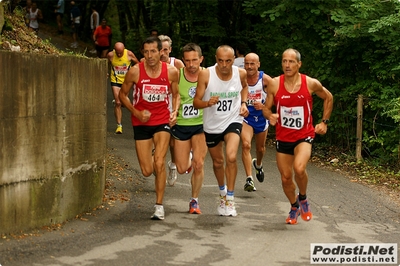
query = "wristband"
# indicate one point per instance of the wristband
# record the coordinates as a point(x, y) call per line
point(245, 102)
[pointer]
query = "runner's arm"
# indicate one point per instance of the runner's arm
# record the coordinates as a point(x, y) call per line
point(131, 78)
point(244, 93)
point(272, 88)
point(173, 76)
point(202, 83)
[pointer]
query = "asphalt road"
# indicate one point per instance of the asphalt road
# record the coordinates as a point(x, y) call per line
point(121, 233)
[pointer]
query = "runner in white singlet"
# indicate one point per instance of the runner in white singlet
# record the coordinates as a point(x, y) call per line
point(222, 93)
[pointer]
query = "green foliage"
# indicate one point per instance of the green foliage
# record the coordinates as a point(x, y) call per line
point(7, 26)
point(393, 109)
point(351, 46)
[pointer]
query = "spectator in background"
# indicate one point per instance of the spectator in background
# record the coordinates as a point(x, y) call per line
point(240, 52)
point(75, 23)
point(102, 38)
point(154, 32)
point(59, 15)
point(26, 9)
point(94, 23)
point(34, 15)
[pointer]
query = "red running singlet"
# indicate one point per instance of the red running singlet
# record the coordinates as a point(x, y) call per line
point(152, 94)
point(295, 120)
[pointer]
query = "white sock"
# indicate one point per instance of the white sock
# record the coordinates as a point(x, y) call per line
point(230, 197)
point(222, 192)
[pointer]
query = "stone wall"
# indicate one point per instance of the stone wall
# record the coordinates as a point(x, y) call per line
point(52, 138)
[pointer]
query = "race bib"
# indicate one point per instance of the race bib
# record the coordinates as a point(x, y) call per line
point(292, 117)
point(224, 105)
point(254, 96)
point(121, 70)
point(154, 93)
point(188, 111)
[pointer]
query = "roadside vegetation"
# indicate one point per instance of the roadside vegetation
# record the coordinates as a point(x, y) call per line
point(352, 46)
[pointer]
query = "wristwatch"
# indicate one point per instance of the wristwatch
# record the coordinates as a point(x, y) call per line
point(325, 121)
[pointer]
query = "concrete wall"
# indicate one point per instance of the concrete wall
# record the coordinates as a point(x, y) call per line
point(52, 138)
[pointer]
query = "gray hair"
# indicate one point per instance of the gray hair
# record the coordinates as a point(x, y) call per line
point(165, 38)
point(298, 55)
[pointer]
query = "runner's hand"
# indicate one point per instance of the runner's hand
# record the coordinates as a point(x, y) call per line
point(273, 119)
point(172, 119)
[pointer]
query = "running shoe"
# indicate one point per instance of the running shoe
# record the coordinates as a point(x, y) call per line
point(221, 206)
point(158, 212)
point(259, 171)
point(249, 185)
point(305, 210)
point(230, 209)
point(172, 175)
point(119, 129)
point(194, 207)
point(293, 214)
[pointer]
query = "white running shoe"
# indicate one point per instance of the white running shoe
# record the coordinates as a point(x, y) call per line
point(221, 206)
point(158, 212)
point(172, 175)
point(230, 209)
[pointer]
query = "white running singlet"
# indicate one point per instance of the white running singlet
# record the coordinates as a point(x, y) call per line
point(218, 117)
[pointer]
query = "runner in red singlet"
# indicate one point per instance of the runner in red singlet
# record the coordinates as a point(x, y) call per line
point(152, 82)
point(291, 93)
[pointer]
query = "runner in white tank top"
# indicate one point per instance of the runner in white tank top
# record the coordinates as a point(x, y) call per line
point(222, 92)
point(218, 117)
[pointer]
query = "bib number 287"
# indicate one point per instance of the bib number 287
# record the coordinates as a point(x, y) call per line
point(224, 105)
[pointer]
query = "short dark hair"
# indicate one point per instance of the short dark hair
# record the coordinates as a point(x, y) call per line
point(241, 48)
point(152, 39)
point(192, 47)
point(151, 31)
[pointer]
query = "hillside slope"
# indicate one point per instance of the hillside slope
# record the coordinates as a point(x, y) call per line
point(17, 37)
